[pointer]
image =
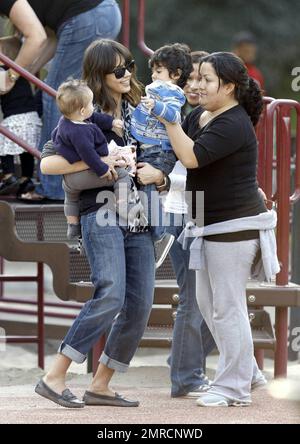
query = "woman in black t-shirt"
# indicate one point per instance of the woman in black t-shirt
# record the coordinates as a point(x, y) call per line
point(218, 146)
point(59, 31)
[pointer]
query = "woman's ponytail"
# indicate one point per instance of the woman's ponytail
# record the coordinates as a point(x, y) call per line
point(251, 99)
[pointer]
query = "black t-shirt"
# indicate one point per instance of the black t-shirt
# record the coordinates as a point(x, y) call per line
point(226, 150)
point(19, 99)
point(53, 13)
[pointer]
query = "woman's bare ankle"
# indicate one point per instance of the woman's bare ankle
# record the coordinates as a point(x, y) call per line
point(101, 390)
point(55, 382)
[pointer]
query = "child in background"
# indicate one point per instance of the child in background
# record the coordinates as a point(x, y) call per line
point(20, 117)
point(171, 66)
point(78, 137)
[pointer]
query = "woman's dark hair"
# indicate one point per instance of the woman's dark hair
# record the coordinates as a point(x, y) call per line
point(231, 69)
point(197, 56)
point(176, 58)
point(100, 59)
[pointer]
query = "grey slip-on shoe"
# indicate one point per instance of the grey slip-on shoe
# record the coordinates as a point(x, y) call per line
point(65, 399)
point(91, 398)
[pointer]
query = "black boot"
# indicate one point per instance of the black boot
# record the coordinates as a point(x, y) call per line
point(9, 186)
point(25, 186)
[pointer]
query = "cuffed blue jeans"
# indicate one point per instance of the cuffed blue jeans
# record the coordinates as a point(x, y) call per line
point(192, 340)
point(74, 36)
point(122, 265)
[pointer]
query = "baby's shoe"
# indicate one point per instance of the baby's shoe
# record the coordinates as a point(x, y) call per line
point(162, 248)
point(74, 231)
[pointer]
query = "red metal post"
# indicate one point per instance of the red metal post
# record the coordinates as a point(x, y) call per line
point(262, 148)
point(1, 273)
point(126, 23)
point(141, 29)
point(41, 323)
point(269, 149)
point(27, 75)
point(259, 356)
point(97, 350)
point(283, 148)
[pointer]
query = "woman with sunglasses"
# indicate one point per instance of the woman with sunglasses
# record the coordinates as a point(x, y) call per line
point(122, 262)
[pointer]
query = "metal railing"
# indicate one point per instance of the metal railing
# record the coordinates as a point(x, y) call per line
point(141, 29)
point(41, 85)
point(39, 338)
point(279, 112)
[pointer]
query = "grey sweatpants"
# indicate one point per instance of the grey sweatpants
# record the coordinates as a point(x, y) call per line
point(74, 183)
point(221, 296)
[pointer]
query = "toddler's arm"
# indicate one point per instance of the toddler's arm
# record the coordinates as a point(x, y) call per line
point(166, 103)
point(102, 120)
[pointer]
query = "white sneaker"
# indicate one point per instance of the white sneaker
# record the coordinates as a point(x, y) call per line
point(259, 383)
point(215, 400)
point(197, 392)
point(162, 248)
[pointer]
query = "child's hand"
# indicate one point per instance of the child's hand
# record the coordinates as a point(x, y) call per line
point(118, 124)
point(148, 102)
point(117, 127)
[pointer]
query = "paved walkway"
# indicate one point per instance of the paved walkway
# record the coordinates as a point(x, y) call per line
point(19, 404)
point(148, 381)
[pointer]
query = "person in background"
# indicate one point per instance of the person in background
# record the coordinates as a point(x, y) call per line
point(61, 31)
point(192, 340)
point(244, 45)
point(21, 118)
point(191, 89)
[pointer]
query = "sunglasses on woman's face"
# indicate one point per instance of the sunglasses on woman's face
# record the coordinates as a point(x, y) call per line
point(120, 71)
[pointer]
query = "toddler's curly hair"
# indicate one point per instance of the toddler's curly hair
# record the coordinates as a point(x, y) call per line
point(176, 58)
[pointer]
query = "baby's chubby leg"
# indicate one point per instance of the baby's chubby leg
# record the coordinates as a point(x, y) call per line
point(73, 184)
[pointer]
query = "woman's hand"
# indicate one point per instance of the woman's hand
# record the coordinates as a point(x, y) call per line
point(114, 160)
point(110, 174)
point(268, 202)
point(147, 174)
point(263, 194)
point(6, 84)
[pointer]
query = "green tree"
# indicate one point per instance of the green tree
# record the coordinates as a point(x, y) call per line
point(211, 24)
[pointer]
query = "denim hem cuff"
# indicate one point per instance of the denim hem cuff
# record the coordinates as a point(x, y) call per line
point(71, 353)
point(113, 364)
